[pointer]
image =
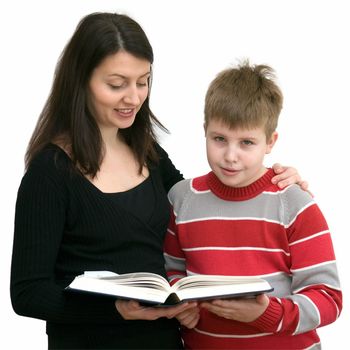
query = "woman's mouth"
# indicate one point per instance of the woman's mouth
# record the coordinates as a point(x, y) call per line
point(125, 112)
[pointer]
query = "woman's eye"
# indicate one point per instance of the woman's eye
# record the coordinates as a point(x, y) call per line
point(114, 87)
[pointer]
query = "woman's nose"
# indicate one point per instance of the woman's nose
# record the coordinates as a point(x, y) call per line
point(132, 96)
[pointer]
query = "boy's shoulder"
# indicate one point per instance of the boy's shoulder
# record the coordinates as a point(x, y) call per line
point(295, 192)
point(294, 200)
point(183, 187)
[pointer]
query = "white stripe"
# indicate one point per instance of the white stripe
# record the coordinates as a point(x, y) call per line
point(173, 277)
point(236, 248)
point(281, 322)
point(191, 273)
point(277, 192)
point(231, 335)
point(313, 346)
point(313, 266)
point(297, 327)
point(274, 274)
point(197, 191)
point(299, 212)
point(335, 304)
point(296, 291)
point(279, 325)
point(315, 307)
point(310, 237)
point(221, 218)
point(171, 232)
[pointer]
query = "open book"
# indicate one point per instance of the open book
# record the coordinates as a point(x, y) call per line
point(154, 289)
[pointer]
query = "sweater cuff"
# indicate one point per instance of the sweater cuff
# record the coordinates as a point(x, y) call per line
point(270, 319)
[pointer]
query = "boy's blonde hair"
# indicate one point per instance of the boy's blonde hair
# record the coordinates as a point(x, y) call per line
point(246, 97)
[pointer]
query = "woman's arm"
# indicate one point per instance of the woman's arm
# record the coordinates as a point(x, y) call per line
point(36, 290)
point(286, 176)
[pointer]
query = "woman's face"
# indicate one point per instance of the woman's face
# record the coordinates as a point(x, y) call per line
point(118, 88)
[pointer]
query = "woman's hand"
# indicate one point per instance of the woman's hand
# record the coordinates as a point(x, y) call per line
point(286, 176)
point(242, 310)
point(132, 310)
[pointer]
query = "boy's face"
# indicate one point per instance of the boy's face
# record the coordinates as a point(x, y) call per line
point(236, 155)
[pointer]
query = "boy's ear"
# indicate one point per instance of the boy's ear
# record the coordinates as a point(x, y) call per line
point(205, 128)
point(270, 143)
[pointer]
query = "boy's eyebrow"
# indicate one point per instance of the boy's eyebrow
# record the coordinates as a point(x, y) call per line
point(213, 132)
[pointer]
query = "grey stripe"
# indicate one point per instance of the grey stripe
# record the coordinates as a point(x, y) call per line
point(172, 263)
point(281, 283)
point(327, 273)
point(284, 285)
point(309, 317)
point(314, 347)
point(281, 207)
point(323, 274)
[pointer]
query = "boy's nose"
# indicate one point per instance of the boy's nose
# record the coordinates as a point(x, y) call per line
point(231, 154)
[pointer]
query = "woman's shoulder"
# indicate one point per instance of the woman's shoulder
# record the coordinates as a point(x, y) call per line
point(167, 170)
point(50, 155)
point(50, 162)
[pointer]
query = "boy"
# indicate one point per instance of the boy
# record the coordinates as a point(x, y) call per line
point(233, 221)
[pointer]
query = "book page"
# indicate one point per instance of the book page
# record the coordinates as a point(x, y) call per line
point(142, 286)
point(139, 279)
point(141, 290)
point(207, 286)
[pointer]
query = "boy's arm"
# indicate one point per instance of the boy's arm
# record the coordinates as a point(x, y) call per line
point(175, 263)
point(316, 297)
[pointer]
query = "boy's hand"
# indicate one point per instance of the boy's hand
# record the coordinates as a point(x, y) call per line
point(190, 317)
point(286, 176)
point(132, 310)
point(242, 310)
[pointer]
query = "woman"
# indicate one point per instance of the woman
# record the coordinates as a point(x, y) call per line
point(94, 193)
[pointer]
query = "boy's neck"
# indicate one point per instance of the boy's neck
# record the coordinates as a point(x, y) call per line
point(239, 193)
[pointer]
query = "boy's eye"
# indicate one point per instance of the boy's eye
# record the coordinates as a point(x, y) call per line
point(247, 142)
point(219, 139)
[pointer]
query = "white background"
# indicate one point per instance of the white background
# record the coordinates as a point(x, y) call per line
point(305, 41)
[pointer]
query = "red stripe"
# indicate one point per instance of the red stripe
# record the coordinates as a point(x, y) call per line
point(312, 251)
point(233, 233)
point(240, 262)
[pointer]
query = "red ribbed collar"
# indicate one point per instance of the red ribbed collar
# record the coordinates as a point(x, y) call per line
point(239, 193)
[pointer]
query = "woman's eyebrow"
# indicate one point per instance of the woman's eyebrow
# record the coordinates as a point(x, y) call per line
point(124, 77)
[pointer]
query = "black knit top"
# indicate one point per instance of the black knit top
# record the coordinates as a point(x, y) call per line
point(64, 225)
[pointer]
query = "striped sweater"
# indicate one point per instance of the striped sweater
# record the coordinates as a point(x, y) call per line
point(258, 230)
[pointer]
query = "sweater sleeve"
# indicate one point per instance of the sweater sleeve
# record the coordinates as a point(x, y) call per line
point(175, 260)
point(316, 297)
point(40, 219)
point(175, 263)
